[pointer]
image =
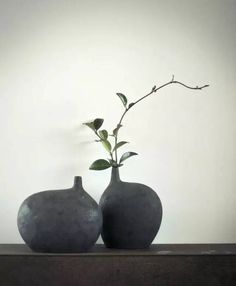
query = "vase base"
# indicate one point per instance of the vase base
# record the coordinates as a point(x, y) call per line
point(128, 247)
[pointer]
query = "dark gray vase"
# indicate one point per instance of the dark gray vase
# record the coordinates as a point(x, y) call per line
point(132, 214)
point(60, 221)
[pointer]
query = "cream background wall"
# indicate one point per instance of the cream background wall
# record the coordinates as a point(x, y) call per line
point(61, 63)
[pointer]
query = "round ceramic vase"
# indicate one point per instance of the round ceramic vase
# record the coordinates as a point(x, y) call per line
point(60, 220)
point(132, 214)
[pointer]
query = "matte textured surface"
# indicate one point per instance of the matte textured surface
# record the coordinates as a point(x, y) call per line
point(162, 265)
point(60, 221)
point(132, 214)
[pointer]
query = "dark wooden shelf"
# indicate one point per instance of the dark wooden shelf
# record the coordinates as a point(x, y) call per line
point(160, 265)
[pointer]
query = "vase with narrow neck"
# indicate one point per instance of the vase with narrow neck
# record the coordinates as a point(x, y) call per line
point(66, 220)
point(132, 214)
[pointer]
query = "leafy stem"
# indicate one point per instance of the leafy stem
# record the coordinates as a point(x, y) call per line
point(102, 164)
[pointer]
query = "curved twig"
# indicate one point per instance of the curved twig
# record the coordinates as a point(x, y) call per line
point(154, 89)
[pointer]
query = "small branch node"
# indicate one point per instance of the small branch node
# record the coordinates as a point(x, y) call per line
point(154, 88)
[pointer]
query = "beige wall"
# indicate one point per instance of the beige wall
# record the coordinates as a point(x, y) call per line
point(61, 63)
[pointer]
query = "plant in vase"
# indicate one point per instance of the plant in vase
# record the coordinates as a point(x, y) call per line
point(132, 212)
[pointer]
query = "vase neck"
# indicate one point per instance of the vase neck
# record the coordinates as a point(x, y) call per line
point(115, 175)
point(78, 183)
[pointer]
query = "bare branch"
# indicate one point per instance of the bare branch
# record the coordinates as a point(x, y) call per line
point(154, 89)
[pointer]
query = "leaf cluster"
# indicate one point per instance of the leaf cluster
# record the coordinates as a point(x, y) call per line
point(103, 138)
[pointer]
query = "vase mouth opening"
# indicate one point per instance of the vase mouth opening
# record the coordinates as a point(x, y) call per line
point(77, 177)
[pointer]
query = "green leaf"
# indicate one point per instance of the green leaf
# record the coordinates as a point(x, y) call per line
point(123, 98)
point(103, 134)
point(94, 125)
point(126, 156)
point(131, 104)
point(100, 164)
point(115, 131)
point(119, 144)
point(107, 145)
point(90, 125)
point(98, 123)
